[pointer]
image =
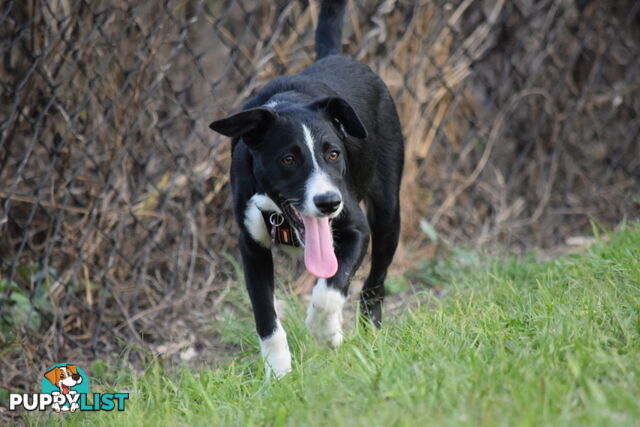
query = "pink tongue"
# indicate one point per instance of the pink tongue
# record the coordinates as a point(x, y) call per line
point(319, 257)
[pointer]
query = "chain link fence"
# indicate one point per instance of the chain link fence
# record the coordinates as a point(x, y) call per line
point(521, 121)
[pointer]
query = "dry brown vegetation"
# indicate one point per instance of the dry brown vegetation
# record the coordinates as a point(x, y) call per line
point(521, 124)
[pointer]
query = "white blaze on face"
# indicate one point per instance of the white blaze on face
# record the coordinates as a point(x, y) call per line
point(318, 182)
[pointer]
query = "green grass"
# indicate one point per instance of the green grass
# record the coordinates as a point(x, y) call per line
point(514, 342)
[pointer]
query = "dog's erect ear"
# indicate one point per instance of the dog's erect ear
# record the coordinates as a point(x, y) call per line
point(340, 110)
point(53, 376)
point(248, 124)
point(72, 368)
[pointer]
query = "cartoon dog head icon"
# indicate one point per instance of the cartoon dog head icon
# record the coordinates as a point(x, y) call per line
point(64, 377)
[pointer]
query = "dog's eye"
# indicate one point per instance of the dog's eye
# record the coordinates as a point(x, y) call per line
point(333, 155)
point(287, 160)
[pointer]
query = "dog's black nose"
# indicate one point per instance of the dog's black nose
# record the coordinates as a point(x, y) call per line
point(328, 202)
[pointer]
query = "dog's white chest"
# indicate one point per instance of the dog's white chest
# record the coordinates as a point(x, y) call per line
point(254, 221)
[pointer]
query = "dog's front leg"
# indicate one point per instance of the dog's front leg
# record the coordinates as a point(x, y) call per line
point(74, 406)
point(258, 272)
point(324, 316)
point(56, 405)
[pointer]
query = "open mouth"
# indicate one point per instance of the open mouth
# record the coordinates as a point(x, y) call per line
point(319, 255)
point(295, 219)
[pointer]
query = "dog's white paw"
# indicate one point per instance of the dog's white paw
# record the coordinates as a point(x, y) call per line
point(324, 316)
point(278, 371)
point(326, 327)
point(275, 352)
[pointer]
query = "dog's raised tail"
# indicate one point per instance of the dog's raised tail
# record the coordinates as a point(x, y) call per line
point(329, 31)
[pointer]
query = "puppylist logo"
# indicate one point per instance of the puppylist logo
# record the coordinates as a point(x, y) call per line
point(65, 388)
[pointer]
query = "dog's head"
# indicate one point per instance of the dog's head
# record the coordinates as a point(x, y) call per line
point(64, 377)
point(299, 159)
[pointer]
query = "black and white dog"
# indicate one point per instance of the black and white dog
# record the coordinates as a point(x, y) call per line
point(306, 150)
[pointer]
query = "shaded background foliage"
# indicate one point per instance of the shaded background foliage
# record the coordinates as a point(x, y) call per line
point(116, 234)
